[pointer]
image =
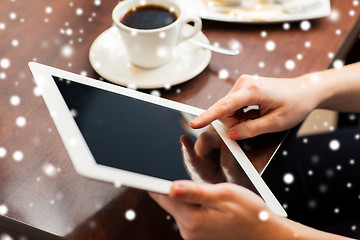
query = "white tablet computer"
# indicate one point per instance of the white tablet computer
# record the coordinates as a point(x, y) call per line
point(126, 137)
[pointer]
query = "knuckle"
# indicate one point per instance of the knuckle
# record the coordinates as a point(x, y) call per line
point(254, 86)
point(249, 129)
point(244, 78)
point(224, 103)
point(278, 121)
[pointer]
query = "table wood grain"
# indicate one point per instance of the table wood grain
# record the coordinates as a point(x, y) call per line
point(41, 195)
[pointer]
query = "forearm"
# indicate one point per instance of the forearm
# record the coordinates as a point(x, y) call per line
point(336, 89)
point(302, 232)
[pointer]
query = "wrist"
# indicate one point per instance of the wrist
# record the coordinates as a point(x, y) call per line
point(320, 88)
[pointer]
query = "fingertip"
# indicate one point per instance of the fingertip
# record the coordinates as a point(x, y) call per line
point(233, 134)
point(177, 189)
point(194, 123)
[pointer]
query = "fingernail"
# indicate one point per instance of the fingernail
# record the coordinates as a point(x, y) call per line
point(233, 134)
point(178, 189)
point(193, 121)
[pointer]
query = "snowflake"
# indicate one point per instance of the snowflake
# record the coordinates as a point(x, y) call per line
point(15, 43)
point(79, 11)
point(270, 46)
point(117, 184)
point(167, 86)
point(323, 188)
point(307, 44)
point(68, 31)
point(18, 156)
point(263, 216)
point(305, 25)
point(312, 203)
point(288, 178)
point(4, 63)
point(155, 93)
point(3, 209)
point(2, 75)
point(37, 91)
point(261, 64)
point(335, 15)
point(263, 34)
point(67, 51)
point(286, 26)
point(338, 64)
point(20, 121)
point(162, 35)
point(162, 52)
point(97, 2)
point(289, 64)
point(2, 26)
point(132, 86)
point(329, 173)
point(130, 215)
point(15, 100)
point(74, 113)
point(49, 169)
point(12, 16)
point(334, 145)
point(2, 152)
point(5, 236)
point(235, 45)
point(223, 74)
point(48, 10)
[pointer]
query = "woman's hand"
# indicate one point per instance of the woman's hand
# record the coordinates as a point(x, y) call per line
point(283, 103)
point(220, 211)
point(227, 211)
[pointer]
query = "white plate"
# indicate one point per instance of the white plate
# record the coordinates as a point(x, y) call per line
point(270, 14)
point(108, 57)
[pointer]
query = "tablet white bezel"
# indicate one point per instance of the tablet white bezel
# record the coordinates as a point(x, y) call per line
point(82, 158)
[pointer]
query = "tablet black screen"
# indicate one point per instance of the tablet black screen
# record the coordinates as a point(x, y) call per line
point(146, 138)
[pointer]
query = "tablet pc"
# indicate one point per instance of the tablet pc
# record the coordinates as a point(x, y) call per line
point(125, 137)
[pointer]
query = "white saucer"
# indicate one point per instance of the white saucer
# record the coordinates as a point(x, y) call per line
point(108, 58)
point(270, 15)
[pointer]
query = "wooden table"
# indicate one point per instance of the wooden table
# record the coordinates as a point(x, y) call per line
point(41, 195)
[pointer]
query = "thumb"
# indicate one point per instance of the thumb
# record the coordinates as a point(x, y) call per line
point(195, 193)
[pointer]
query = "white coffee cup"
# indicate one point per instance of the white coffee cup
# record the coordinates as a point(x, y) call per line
point(150, 48)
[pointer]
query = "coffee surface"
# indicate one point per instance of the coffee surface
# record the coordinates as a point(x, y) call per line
point(148, 17)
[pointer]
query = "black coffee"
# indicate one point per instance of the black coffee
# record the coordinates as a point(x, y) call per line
point(148, 17)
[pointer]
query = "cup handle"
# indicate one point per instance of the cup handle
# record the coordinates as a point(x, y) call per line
point(187, 31)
